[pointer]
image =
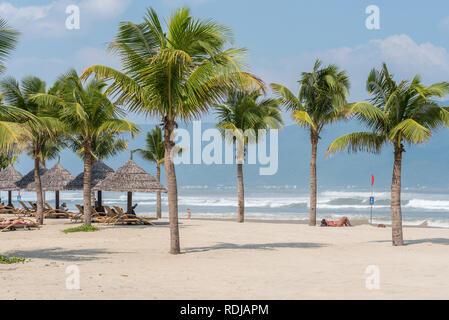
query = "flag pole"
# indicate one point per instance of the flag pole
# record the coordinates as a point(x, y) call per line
point(372, 199)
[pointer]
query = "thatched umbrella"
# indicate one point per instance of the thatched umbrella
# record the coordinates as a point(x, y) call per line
point(55, 180)
point(99, 172)
point(8, 181)
point(29, 177)
point(130, 178)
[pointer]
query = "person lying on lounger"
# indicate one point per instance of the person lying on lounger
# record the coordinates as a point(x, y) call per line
point(344, 221)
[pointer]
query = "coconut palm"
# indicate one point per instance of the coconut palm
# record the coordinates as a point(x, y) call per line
point(155, 152)
point(8, 42)
point(11, 132)
point(398, 114)
point(176, 74)
point(88, 115)
point(105, 145)
point(322, 94)
point(36, 135)
point(244, 114)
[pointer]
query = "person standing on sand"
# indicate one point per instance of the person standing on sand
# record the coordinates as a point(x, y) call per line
point(188, 214)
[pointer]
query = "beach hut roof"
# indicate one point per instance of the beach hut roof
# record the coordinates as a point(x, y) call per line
point(9, 178)
point(55, 179)
point(130, 178)
point(29, 177)
point(99, 172)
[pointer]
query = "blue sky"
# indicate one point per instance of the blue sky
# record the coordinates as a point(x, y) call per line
point(284, 37)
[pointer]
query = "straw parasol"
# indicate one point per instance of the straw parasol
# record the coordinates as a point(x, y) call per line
point(29, 177)
point(54, 179)
point(130, 178)
point(8, 181)
point(99, 172)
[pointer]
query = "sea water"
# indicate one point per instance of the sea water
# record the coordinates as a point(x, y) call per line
point(278, 203)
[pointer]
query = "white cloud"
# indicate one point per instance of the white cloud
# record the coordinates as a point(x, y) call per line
point(403, 55)
point(30, 13)
point(49, 20)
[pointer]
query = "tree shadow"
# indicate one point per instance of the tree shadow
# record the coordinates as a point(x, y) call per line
point(60, 254)
point(443, 241)
point(257, 246)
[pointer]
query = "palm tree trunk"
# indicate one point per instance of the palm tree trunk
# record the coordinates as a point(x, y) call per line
point(396, 213)
point(87, 188)
point(39, 195)
point(313, 189)
point(169, 126)
point(241, 193)
point(158, 194)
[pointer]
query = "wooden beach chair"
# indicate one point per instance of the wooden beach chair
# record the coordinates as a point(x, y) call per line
point(6, 210)
point(53, 214)
point(131, 218)
point(13, 224)
point(59, 212)
point(98, 216)
point(11, 210)
point(78, 216)
point(26, 210)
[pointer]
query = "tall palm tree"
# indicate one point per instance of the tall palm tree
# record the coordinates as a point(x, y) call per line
point(104, 145)
point(11, 132)
point(322, 94)
point(398, 113)
point(175, 73)
point(243, 114)
point(8, 41)
point(39, 134)
point(87, 114)
point(155, 152)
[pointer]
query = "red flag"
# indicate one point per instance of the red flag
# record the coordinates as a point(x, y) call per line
point(372, 179)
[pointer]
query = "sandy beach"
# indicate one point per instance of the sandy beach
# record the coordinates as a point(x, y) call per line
point(225, 260)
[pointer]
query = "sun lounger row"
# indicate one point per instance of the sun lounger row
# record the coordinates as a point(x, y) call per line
point(114, 216)
point(13, 224)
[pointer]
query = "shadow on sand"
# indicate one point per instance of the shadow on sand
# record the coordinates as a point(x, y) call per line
point(60, 254)
point(421, 241)
point(257, 246)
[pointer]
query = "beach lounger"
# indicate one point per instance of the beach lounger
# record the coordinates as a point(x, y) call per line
point(13, 224)
point(96, 217)
point(124, 218)
point(26, 210)
point(59, 212)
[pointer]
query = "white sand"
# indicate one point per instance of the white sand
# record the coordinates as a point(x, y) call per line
point(225, 260)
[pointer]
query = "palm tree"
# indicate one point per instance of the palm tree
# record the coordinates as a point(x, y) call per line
point(175, 74)
point(87, 114)
point(244, 114)
point(397, 114)
point(11, 133)
point(38, 134)
point(8, 41)
point(322, 94)
point(104, 145)
point(155, 152)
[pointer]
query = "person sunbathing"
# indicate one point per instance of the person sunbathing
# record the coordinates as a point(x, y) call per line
point(344, 221)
